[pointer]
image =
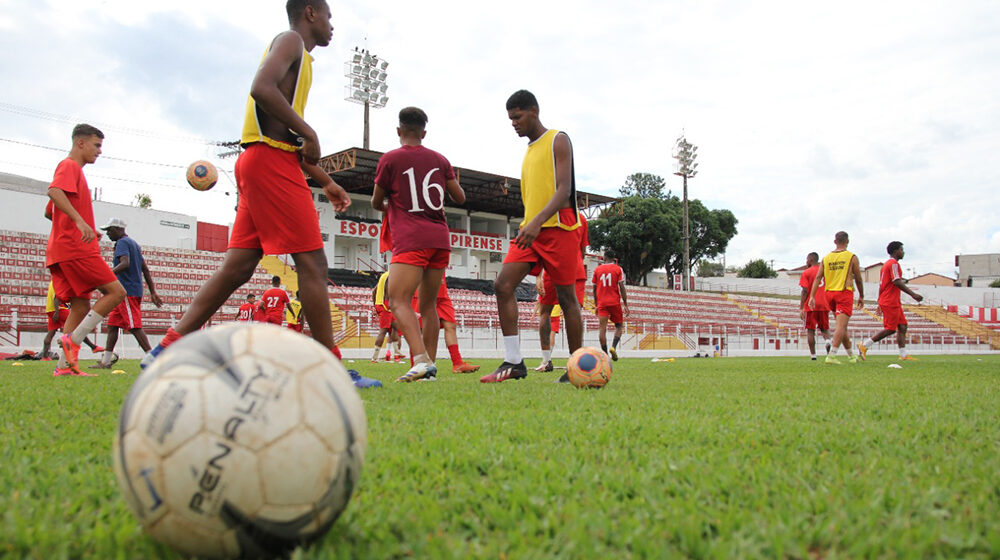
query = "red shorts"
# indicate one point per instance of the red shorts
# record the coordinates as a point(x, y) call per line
point(446, 311)
point(385, 318)
point(549, 290)
point(818, 320)
point(78, 277)
point(614, 312)
point(424, 258)
point(274, 319)
point(55, 325)
point(555, 322)
point(127, 314)
point(892, 317)
point(275, 212)
point(552, 250)
point(841, 302)
point(297, 327)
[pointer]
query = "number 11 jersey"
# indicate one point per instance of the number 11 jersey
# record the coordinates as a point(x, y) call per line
point(413, 178)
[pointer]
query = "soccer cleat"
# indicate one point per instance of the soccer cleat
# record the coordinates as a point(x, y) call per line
point(150, 356)
point(831, 360)
point(546, 367)
point(102, 365)
point(813, 358)
point(614, 353)
point(854, 359)
point(908, 359)
point(465, 368)
point(862, 351)
point(401, 359)
point(363, 382)
point(418, 372)
point(70, 349)
point(77, 372)
point(564, 378)
point(59, 372)
point(97, 349)
point(506, 371)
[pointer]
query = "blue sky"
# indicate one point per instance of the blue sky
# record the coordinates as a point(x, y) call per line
point(877, 118)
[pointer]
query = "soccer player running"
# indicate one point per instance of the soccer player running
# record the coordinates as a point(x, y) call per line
point(248, 309)
point(841, 272)
point(275, 214)
point(815, 317)
point(275, 301)
point(130, 267)
point(611, 301)
point(893, 320)
point(408, 188)
point(547, 234)
point(73, 255)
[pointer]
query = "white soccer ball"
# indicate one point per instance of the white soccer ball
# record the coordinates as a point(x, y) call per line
point(240, 440)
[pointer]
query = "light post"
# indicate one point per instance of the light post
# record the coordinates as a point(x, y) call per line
point(366, 85)
point(685, 153)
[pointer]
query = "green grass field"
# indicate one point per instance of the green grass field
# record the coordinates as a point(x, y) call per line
point(704, 458)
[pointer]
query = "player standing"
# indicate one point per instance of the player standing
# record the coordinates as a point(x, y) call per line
point(841, 272)
point(130, 268)
point(293, 315)
point(73, 255)
point(275, 213)
point(408, 188)
point(889, 306)
point(547, 234)
point(275, 301)
point(386, 320)
point(815, 317)
point(248, 309)
point(611, 301)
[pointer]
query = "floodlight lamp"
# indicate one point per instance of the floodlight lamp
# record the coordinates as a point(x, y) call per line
point(382, 88)
point(356, 59)
point(356, 82)
point(368, 58)
point(356, 69)
point(373, 97)
point(360, 95)
point(373, 74)
point(382, 76)
point(366, 83)
point(385, 100)
point(385, 65)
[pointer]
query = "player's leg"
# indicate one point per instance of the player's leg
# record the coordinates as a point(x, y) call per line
point(511, 274)
point(312, 271)
point(839, 336)
point(237, 269)
point(403, 282)
point(47, 344)
point(811, 341)
point(458, 365)
point(602, 332)
point(901, 342)
point(429, 287)
point(141, 338)
point(571, 315)
point(109, 347)
point(379, 341)
point(545, 336)
point(619, 331)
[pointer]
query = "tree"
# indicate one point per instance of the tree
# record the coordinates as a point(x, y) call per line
point(143, 200)
point(643, 185)
point(995, 284)
point(709, 269)
point(757, 268)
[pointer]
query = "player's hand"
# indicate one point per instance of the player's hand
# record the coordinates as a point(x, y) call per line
point(625, 311)
point(310, 148)
point(157, 300)
point(527, 235)
point(860, 304)
point(87, 233)
point(878, 310)
point(337, 196)
point(802, 313)
point(811, 304)
point(919, 298)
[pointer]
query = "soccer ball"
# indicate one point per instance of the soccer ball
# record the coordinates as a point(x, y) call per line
point(240, 440)
point(588, 368)
point(202, 175)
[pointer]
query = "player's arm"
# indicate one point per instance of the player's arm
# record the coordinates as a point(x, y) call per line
point(157, 301)
point(856, 272)
point(901, 284)
point(621, 291)
point(455, 191)
point(48, 211)
point(334, 192)
point(61, 201)
point(378, 198)
point(815, 286)
point(563, 153)
point(803, 298)
point(285, 51)
point(123, 263)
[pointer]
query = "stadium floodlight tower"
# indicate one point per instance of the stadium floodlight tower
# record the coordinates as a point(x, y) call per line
point(685, 154)
point(366, 85)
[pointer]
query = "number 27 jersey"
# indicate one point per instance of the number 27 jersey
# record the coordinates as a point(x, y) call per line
point(413, 178)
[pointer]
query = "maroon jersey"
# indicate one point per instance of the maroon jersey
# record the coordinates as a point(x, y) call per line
point(413, 178)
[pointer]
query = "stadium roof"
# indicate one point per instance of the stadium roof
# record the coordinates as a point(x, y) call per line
point(354, 169)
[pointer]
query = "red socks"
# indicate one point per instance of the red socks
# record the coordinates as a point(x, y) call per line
point(336, 352)
point(456, 356)
point(171, 337)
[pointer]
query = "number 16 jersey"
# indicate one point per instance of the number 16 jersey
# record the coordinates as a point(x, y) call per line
point(413, 178)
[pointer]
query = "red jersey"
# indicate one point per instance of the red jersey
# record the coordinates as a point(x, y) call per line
point(888, 293)
point(64, 238)
point(413, 178)
point(808, 277)
point(246, 312)
point(606, 279)
point(581, 270)
point(274, 300)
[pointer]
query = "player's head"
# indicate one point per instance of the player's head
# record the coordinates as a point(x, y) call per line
point(610, 256)
point(895, 249)
point(812, 258)
point(115, 229)
point(522, 110)
point(412, 123)
point(87, 142)
point(312, 16)
point(276, 281)
point(251, 297)
point(841, 239)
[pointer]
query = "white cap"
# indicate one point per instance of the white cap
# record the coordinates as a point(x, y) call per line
point(114, 222)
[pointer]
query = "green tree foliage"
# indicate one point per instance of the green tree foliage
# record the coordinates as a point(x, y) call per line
point(143, 200)
point(708, 269)
point(644, 229)
point(995, 284)
point(757, 268)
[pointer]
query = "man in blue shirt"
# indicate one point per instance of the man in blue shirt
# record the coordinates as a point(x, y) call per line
point(130, 268)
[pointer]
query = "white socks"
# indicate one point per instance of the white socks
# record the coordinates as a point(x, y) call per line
point(869, 342)
point(85, 327)
point(546, 356)
point(512, 349)
point(903, 353)
point(108, 356)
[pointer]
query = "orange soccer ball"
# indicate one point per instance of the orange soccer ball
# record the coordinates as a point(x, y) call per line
point(202, 175)
point(589, 368)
